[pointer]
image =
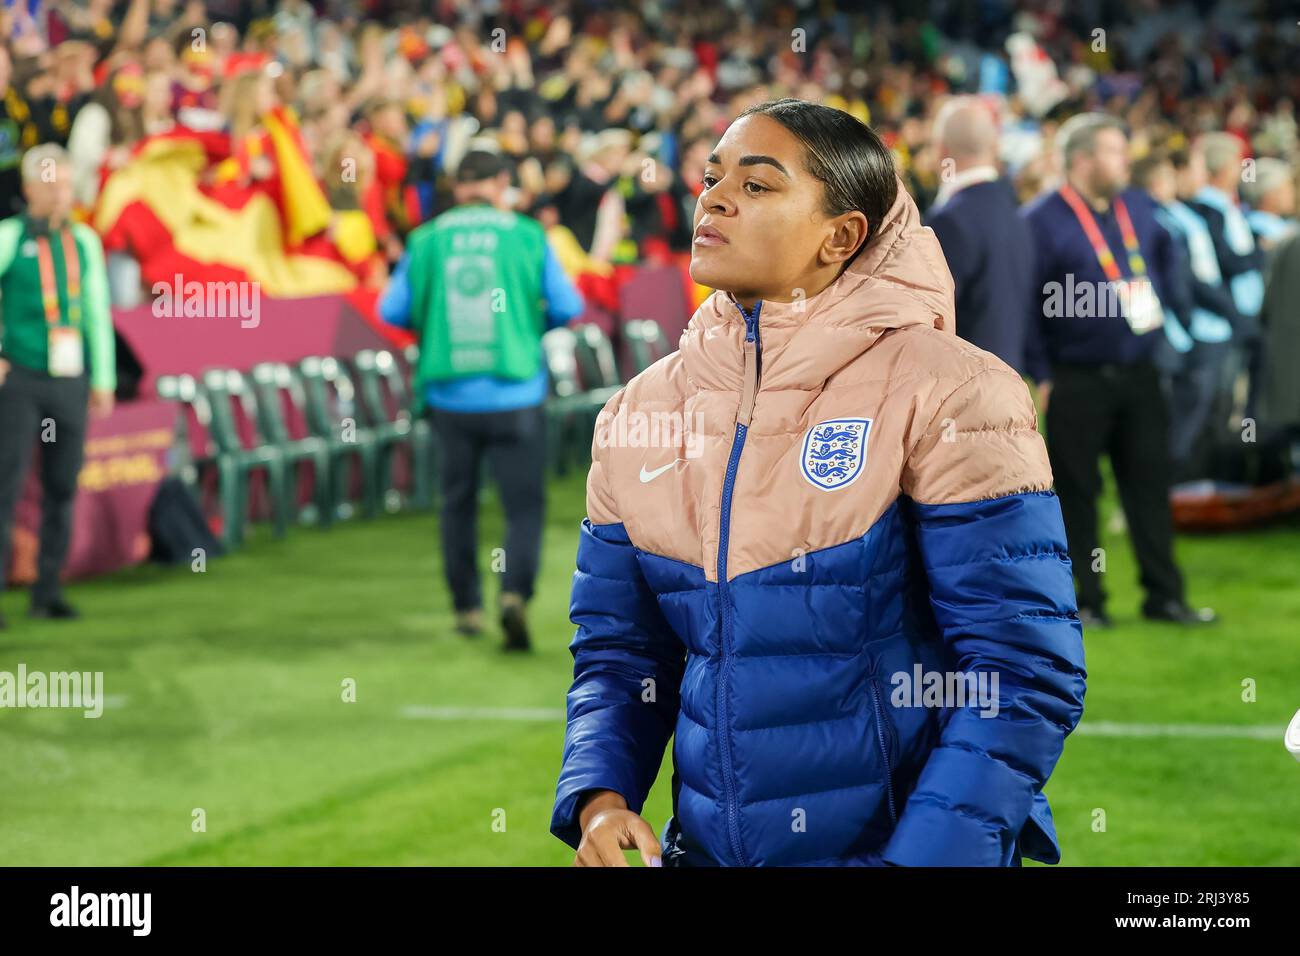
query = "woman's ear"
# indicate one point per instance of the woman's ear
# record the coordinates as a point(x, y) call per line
point(850, 230)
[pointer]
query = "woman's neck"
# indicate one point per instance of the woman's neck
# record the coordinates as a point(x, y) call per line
point(808, 287)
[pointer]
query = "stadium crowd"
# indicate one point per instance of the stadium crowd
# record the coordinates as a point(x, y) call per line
point(605, 111)
point(333, 129)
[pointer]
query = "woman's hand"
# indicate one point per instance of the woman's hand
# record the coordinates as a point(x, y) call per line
point(609, 828)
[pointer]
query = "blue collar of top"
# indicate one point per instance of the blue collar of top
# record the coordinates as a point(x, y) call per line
point(751, 319)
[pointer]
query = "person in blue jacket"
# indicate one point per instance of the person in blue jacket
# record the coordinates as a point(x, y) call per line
point(480, 285)
point(821, 552)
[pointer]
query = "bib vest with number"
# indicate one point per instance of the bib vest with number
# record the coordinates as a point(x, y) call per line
point(476, 294)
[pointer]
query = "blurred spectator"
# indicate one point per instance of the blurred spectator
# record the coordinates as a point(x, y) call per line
point(1201, 313)
point(388, 140)
point(356, 203)
point(1240, 260)
point(588, 205)
point(1271, 198)
point(988, 246)
point(248, 98)
point(116, 118)
point(1217, 203)
point(54, 322)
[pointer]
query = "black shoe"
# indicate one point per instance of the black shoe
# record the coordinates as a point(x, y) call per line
point(1095, 620)
point(56, 610)
point(1176, 612)
point(515, 626)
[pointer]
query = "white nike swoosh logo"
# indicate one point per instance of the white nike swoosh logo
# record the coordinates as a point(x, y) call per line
point(652, 475)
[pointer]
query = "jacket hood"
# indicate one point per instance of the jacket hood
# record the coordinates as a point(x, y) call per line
point(901, 279)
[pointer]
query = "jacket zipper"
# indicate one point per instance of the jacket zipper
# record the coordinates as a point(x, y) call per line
point(749, 392)
point(884, 750)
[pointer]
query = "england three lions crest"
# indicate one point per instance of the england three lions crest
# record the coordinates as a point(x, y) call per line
point(834, 452)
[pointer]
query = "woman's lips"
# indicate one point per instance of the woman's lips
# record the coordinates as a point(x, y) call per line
point(708, 236)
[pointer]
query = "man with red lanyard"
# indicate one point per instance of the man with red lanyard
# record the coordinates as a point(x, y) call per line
point(56, 360)
point(1101, 260)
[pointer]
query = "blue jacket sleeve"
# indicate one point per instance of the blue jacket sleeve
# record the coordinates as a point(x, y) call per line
point(1179, 279)
point(627, 672)
point(1216, 299)
point(1231, 263)
point(395, 303)
point(1003, 598)
point(563, 300)
point(1165, 269)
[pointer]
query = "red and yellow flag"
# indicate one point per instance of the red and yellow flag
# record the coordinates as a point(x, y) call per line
point(180, 207)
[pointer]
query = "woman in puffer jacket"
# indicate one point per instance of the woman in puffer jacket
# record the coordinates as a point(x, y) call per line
point(821, 550)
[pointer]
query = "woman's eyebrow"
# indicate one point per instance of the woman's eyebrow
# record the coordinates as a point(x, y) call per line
point(757, 160)
point(753, 161)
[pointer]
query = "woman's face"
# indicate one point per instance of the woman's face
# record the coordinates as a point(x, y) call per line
point(760, 230)
point(1192, 176)
point(158, 55)
point(514, 126)
point(1280, 200)
point(1163, 186)
point(266, 98)
point(158, 94)
point(542, 134)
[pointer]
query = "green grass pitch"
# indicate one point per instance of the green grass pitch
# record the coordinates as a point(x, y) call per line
point(226, 695)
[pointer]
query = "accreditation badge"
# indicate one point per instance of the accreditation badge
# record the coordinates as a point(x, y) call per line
point(67, 356)
point(1142, 309)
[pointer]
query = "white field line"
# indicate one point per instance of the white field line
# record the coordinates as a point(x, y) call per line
point(421, 712)
point(1093, 728)
point(1105, 728)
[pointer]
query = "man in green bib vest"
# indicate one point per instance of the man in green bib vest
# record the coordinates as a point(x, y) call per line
point(480, 285)
point(56, 359)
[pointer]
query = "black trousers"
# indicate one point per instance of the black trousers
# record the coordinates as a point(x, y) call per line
point(1119, 411)
point(1196, 390)
point(49, 414)
point(514, 445)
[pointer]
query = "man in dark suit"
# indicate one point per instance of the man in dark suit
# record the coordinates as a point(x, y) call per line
point(987, 244)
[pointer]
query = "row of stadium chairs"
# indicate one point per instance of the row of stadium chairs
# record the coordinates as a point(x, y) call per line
point(272, 425)
point(584, 376)
point(279, 418)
